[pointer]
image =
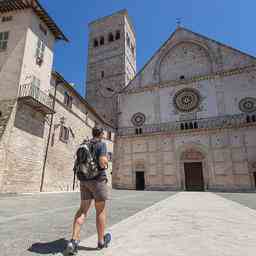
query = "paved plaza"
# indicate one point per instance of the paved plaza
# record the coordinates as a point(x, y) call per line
point(141, 223)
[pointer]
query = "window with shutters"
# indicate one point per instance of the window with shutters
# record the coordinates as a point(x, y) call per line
point(35, 88)
point(40, 50)
point(43, 29)
point(68, 100)
point(64, 134)
point(4, 36)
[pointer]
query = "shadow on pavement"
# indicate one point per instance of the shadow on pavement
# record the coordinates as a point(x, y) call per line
point(84, 248)
point(53, 247)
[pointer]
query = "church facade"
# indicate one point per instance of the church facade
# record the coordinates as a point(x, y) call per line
point(187, 119)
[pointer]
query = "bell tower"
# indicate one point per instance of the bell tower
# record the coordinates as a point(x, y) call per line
point(111, 62)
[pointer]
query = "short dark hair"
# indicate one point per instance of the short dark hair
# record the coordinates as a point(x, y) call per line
point(97, 131)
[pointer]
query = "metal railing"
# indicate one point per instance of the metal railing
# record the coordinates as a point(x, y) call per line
point(189, 125)
point(30, 90)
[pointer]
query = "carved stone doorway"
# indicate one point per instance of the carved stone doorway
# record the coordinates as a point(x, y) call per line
point(194, 180)
point(194, 175)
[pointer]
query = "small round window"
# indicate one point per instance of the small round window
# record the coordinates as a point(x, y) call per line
point(138, 119)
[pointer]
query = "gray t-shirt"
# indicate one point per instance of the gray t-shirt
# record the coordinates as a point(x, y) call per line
point(100, 150)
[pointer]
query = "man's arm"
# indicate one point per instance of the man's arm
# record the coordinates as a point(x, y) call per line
point(103, 159)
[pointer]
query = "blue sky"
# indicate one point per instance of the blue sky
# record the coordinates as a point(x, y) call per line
point(229, 21)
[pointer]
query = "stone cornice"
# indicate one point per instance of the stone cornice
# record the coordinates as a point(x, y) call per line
point(174, 83)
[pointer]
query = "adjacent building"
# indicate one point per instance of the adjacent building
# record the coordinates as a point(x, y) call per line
point(42, 118)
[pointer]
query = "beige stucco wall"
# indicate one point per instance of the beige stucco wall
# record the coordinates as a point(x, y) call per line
point(12, 58)
point(24, 137)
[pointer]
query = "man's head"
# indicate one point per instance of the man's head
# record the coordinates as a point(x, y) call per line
point(97, 132)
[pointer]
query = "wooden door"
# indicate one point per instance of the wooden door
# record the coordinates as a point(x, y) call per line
point(194, 176)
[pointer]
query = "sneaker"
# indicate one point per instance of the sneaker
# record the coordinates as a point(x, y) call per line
point(107, 239)
point(72, 247)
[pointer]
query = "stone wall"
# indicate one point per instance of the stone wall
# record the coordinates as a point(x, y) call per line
point(217, 97)
point(24, 145)
point(110, 66)
point(188, 54)
point(6, 107)
point(228, 159)
point(61, 154)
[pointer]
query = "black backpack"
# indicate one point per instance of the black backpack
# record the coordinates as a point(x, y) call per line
point(86, 166)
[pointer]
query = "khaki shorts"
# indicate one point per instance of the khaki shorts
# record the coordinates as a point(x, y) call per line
point(94, 189)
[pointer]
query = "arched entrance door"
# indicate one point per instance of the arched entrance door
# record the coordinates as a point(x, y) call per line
point(194, 180)
point(193, 170)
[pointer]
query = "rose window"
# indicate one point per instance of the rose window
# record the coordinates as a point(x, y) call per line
point(247, 105)
point(138, 119)
point(187, 100)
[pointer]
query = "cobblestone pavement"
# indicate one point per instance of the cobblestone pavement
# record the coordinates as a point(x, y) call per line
point(39, 224)
point(186, 224)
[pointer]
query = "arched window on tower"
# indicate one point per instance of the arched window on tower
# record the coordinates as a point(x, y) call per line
point(102, 40)
point(95, 43)
point(128, 40)
point(110, 37)
point(133, 49)
point(118, 34)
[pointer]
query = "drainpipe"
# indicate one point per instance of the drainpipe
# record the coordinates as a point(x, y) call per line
point(49, 136)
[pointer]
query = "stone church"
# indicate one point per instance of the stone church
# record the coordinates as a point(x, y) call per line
point(186, 120)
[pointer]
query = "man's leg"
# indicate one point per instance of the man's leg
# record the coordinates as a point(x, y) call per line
point(79, 218)
point(100, 220)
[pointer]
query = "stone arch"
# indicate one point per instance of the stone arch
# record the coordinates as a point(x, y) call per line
point(209, 57)
point(192, 146)
point(139, 165)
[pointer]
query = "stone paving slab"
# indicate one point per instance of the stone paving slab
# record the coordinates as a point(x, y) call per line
point(40, 224)
point(186, 224)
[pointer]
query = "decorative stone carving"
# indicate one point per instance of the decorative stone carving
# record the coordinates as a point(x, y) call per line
point(247, 105)
point(138, 119)
point(192, 154)
point(187, 100)
point(228, 121)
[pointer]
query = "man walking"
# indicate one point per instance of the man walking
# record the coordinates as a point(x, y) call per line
point(93, 189)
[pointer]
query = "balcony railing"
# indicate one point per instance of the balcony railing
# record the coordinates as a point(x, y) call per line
point(192, 125)
point(33, 96)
